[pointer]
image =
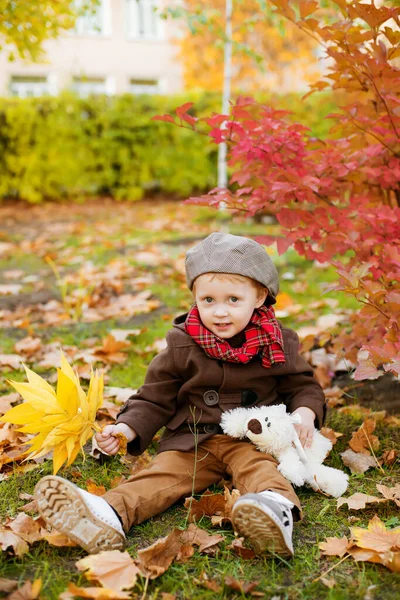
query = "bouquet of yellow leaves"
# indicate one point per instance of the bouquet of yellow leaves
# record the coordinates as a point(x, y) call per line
point(63, 421)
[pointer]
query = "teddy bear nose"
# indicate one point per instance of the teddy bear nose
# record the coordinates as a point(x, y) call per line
point(255, 426)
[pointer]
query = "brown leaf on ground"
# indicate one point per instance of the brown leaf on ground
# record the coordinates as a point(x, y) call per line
point(357, 463)
point(98, 593)
point(7, 585)
point(8, 539)
point(243, 587)
point(112, 569)
point(198, 537)
point(334, 546)
point(329, 582)
point(392, 493)
point(167, 596)
point(157, 558)
point(376, 537)
point(333, 436)
point(358, 501)
point(28, 346)
point(389, 457)
point(26, 527)
point(238, 548)
point(323, 375)
point(110, 351)
point(390, 560)
point(216, 506)
point(392, 421)
point(60, 540)
point(334, 396)
point(93, 488)
point(7, 401)
point(363, 438)
point(355, 410)
point(29, 591)
point(208, 583)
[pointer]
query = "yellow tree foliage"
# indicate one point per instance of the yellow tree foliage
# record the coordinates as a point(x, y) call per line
point(62, 421)
point(286, 55)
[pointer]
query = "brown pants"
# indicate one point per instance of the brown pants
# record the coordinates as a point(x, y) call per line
point(170, 476)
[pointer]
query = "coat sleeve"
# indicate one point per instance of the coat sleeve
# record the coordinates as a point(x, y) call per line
point(298, 387)
point(154, 404)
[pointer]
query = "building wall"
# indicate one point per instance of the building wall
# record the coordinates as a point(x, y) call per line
point(111, 59)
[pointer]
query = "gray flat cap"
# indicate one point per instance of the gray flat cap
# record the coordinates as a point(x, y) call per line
point(226, 253)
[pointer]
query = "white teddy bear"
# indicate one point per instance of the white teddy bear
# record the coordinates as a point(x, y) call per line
point(272, 430)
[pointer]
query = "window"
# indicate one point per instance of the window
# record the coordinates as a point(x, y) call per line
point(28, 86)
point(143, 22)
point(85, 86)
point(94, 21)
point(144, 86)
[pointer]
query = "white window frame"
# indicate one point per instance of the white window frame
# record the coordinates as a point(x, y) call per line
point(29, 86)
point(85, 86)
point(97, 24)
point(144, 85)
point(142, 22)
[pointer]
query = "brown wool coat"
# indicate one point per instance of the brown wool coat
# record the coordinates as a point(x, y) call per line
point(174, 393)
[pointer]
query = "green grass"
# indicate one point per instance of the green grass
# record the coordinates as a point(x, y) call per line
point(284, 579)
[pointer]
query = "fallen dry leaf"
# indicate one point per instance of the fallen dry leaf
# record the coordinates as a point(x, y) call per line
point(241, 550)
point(29, 591)
point(363, 439)
point(358, 501)
point(208, 583)
point(389, 457)
point(243, 587)
point(26, 527)
point(93, 488)
point(334, 546)
point(112, 569)
point(7, 585)
point(357, 463)
point(329, 582)
point(157, 558)
point(376, 537)
point(28, 346)
point(60, 540)
point(198, 537)
point(390, 560)
point(333, 436)
point(8, 539)
point(98, 593)
point(392, 493)
point(110, 351)
point(216, 506)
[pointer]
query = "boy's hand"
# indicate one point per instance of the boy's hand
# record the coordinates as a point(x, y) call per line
point(106, 440)
point(305, 429)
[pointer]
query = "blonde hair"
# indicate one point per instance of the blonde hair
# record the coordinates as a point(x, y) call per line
point(234, 278)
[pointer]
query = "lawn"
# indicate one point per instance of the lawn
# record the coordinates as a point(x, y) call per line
point(82, 271)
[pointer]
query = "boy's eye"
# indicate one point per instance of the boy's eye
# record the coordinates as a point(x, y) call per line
point(234, 299)
point(208, 300)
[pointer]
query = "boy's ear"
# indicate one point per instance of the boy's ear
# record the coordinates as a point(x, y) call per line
point(261, 297)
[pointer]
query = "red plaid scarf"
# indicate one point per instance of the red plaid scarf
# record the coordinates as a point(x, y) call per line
point(262, 334)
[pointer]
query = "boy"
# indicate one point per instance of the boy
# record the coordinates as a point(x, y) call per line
point(228, 351)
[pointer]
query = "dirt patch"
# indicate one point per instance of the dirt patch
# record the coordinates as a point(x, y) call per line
point(380, 394)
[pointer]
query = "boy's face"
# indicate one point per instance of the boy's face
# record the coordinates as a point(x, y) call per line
point(226, 306)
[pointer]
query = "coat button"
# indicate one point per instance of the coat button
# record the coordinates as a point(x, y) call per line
point(211, 397)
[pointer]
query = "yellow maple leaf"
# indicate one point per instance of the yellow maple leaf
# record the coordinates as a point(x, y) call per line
point(62, 421)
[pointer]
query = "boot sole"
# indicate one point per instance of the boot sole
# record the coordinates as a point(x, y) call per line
point(61, 505)
point(262, 529)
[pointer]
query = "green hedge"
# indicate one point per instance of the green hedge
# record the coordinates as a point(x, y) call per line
point(57, 147)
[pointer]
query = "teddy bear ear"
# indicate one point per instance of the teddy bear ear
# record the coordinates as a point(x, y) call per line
point(234, 422)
